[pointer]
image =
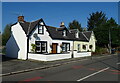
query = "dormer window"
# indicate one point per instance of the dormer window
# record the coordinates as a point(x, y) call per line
point(41, 29)
point(64, 32)
point(77, 34)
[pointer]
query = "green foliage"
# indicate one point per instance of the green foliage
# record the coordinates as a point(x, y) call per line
point(100, 50)
point(33, 47)
point(6, 34)
point(111, 22)
point(75, 25)
point(102, 34)
point(115, 36)
point(96, 19)
point(102, 26)
point(3, 50)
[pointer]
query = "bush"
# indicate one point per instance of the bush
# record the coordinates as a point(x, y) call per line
point(100, 50)
point(33, 47)
point(3, 50)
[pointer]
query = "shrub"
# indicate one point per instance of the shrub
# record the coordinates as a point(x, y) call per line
point(100, 50)
point(33, 47)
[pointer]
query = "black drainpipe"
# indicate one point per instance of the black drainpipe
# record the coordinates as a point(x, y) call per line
point(72, 56)
point(27, 46)
point(28, 40)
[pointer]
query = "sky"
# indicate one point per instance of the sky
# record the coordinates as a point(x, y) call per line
point(55, 12)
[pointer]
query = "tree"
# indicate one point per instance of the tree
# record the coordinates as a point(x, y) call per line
point(102, 33)
point(115, 36)
point(75, 25)
point(6, 34)
point(112, 23)
point(96, 19)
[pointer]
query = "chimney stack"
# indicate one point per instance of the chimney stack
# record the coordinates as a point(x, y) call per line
point(85, 29)
point(20, 18)
point(62, 24)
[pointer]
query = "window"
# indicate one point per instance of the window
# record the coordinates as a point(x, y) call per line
point(78, 47)
point(90, 46)
point(77, 35)
point(64, 32)
point(41, 46)
point(84, 47)
point(41, 29)
point(66, 47)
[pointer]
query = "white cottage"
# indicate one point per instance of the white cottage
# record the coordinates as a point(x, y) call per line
point(36, 40)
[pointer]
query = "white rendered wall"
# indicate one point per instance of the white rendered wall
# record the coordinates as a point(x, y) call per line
point(52, 57)
point(92, 42)
point(42, 37)
point(46, 37)
point(20, 40)
point(81, 45)
point(60, 42)
point(81, 54)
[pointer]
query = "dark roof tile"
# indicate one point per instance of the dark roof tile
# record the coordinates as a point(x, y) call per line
point(56, 33)
point(29, 26)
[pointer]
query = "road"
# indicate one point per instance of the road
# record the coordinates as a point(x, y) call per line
point(98, 69)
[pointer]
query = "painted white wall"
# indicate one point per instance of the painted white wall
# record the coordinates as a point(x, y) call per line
point(60, 42)
point(43, 57)
point(20, 41)
point(46, 37)
point(81, 45)
point(92, 42)
point(81, 54)
point(42, 37)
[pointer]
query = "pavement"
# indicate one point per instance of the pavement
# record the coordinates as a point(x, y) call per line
point(13, 66)
point(105, 68)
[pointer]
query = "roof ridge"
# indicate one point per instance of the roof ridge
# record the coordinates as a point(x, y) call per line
point(87, 31)
point(52, 27)
point(29, 28)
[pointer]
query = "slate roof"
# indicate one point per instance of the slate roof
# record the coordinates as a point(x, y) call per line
point(88, 34)
point(29, 26)
point(56, 33)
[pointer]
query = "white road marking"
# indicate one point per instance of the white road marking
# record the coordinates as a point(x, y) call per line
point(93, 74)
point(118, 63)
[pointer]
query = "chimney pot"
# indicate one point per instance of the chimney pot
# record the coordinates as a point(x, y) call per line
point(20, 18)
point(62, 24)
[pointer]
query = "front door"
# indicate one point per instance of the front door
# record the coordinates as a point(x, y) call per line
point(54, 47)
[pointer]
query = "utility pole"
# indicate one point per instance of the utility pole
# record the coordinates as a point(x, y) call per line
point(109, 41)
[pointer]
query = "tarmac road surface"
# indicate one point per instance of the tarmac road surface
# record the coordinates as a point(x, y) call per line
point(99, 69)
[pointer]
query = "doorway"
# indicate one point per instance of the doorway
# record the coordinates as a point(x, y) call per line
point(54, 48)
